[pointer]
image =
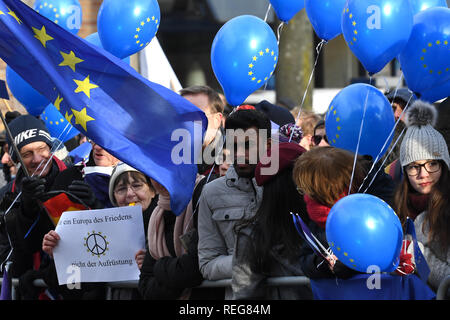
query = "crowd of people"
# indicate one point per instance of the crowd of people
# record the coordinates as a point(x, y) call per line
point(238, 224)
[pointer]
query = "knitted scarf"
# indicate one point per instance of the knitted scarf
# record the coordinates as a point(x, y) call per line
point(156, 236)
point(317, 212)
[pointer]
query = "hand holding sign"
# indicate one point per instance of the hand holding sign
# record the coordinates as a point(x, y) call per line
point(100, 244)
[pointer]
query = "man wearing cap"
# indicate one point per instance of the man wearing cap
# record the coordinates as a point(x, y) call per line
point(34, 143)
point(399, 99)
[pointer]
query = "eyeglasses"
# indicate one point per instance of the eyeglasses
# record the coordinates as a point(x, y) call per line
point(430, 167)
point(122, 190)
point(317, 139)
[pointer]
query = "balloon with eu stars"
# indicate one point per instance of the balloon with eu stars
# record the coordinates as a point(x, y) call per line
point(421, 5)
point(244, 55)
point(345, 114)
point(65, 13)
point(30, 98)
point(425, 58)
point(325, 17)
point(287, 9)
point(127, 27)
point(58, 127)
point(363, 231)
point(376, 31)
point(94, 38)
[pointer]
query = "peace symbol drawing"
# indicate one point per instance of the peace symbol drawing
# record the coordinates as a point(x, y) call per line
point(96, 243)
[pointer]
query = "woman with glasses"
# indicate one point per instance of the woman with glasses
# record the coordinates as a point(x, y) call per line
point(424, 193)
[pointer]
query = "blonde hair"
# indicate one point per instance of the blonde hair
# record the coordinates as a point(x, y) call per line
point(306, 121)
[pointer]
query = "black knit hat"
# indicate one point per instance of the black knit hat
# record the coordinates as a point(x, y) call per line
point(25, 130)
point(277, 114)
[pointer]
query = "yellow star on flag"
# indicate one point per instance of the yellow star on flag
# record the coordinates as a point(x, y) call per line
point(57, 102)
point(68, 117)
point(13, 14)
point(82, 118)
point(85, 86)
point(42, 36)
point(70, 60)
point(250, 65)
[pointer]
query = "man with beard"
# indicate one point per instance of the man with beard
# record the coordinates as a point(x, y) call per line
point(234, 197)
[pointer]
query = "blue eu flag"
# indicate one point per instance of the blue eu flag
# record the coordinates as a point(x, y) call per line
point(105, 99)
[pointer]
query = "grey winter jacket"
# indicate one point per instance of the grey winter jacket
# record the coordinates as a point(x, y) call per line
point(438, 258)
point(223, 203)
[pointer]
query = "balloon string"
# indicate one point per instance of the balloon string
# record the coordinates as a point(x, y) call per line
point(267, 12)
point(390, 134)
point(280, 27)
point(318, 50)
point(385, 159)
point(359, 138)
point(390, 151)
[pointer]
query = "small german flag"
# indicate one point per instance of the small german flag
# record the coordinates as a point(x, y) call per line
point(59, 204)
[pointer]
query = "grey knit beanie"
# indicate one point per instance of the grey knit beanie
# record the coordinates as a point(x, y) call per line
point(120, 168)
point(421, 140)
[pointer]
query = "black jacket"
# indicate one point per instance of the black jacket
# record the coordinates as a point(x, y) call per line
point(26, 227)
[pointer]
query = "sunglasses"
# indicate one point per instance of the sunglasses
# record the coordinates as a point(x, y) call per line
point(317, 139)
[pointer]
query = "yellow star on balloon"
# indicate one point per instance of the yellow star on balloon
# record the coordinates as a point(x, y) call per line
point(70, 60)
point(57, 102)
point(85, 86)
point(42, 36)
point(13, 14)
point(82, 118)
point(1, 12)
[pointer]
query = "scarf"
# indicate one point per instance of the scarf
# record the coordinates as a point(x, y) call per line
point(418, 204)
point(156, 236)
point(317, 212)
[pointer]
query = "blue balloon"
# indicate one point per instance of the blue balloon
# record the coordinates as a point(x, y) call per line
point(376, 31)
point(57, 125)
point(421, 5)
point(437, 93)
point(65, 13)
point(425, 58)
point(31, 99)
point(126, 27)
point(325, 17)
point(244, 55)
point(286, 9)
point(94, 38)
point(362, 231)
point(345, 114)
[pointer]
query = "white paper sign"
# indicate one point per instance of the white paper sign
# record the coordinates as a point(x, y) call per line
point(99, 245)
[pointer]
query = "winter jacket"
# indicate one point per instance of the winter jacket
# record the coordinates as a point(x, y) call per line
point(224, 202)
point(250, 285)
point(26, 229)
point(170, 278)
point(438, 258)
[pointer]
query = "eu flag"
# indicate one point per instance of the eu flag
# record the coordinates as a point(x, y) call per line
point(105, 99)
